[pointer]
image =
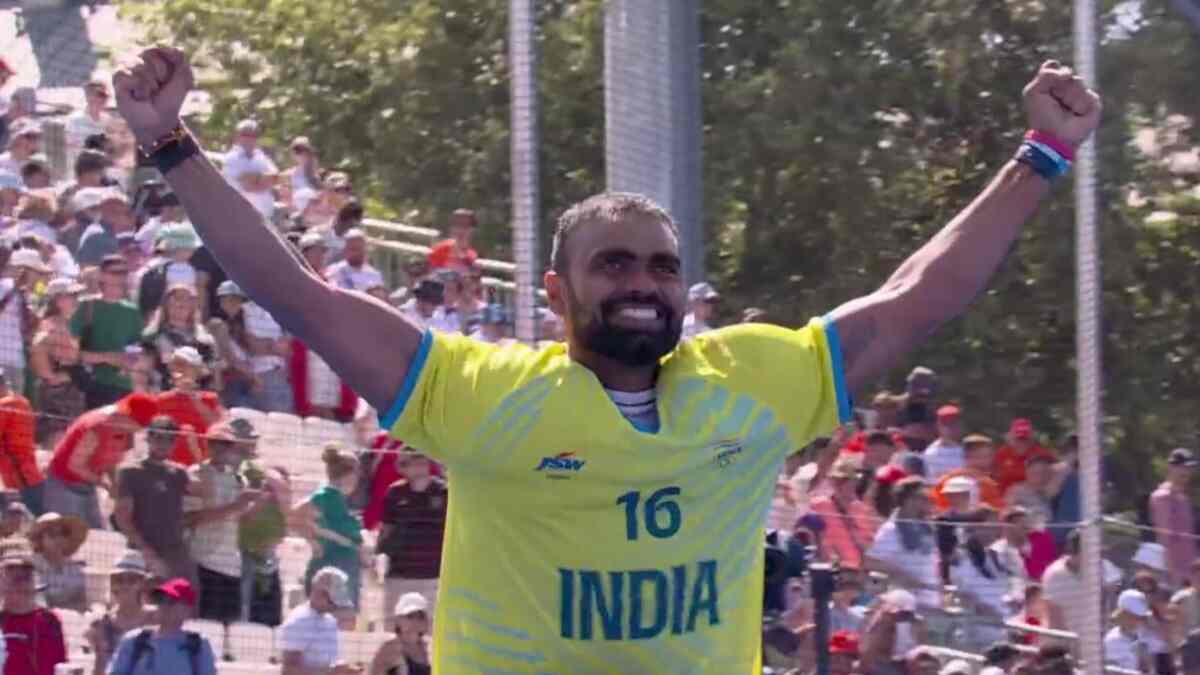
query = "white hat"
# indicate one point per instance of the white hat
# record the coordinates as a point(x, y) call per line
point(112, 195)
point(702, 291)
point(88, 198)
point(131, 561)
point(1151, 554)
point(188, 355)
point(411, 602)
point(354, 233)
point(336, 583)
point(63, 286)
point(900, 599)
point(311, 239)
point(956, 667)
point(958, 485)
point(1134, 602)
point(25, 257)
point(247, 127)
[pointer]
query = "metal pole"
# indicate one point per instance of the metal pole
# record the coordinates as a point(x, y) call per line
point(823, 578)
point(522, 53)
point(1087, 345)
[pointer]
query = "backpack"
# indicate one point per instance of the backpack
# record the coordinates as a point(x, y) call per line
point(141, 645)
point(152, 287)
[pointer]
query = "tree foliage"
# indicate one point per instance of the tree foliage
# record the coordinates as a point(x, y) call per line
point(838, 136)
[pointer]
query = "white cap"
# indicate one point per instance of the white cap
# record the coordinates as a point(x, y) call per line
point(1151, 554)
point(113, 195)
point(25, 257)
point(956, 667)
point(354, 233)
point(189, 355)
point(1134, 602)
point(247, 127)
point(63, 285)
point(411, 602)
point(702, 291)
point(131, 560)
point(88, 198)
point(900, 600)
point(311, 239)
point(958, 485)
point(336, 583)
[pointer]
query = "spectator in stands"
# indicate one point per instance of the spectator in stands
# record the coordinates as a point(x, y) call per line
point(99, 240)
point(877, 451)
point(1062, 587)
point(149, 508)
point(16, 316)
point(33, 635)
point(493, 325)
point(315, 251)
point(335, 534)
point(702, 303)
point(849, 523)
point(455, 252)
point(413, 523)
point(1024, 549)
point(35, 172)
point(1036, 493)
point(170, 214)
point(170, 267)
point(843, 652)
point(308, 639)
point(53, 356)
point(188, 405)
point(261, 530)
point(904, 545)
point(978, 452)
point(176, 325)
point(1172, 514)
point(844, 614)
point(234, 346)
point(92, 447)
point(18, 461)
point(306, 174)
point(127, 585)
point(354, 273)
point(213, 518)
point(881, 496)
point(92, 119)
point(349, 216)
point(409, 652)
point(1066, 514)
point(957, 493)
point(55, 539)
point(893, 628)
point(107, 327)
point(1124, 646)
point(982, 580)
point(24, 140)
point(1186, 603)
point(1155, 632)
point(946, 453)
point(1008, 466)
point(166, 648)
point(250, 171)
point(15, 518)
point(268, 350)
point(426, 306)
point(34, 213)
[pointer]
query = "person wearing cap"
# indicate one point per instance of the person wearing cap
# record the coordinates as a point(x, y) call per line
point(174, 246)
point(92, 447)
point(55, 539)
point(493, 325)
point(982, 580)
point(305, 174)
point(850, 523)
point(409, 651)
point(109, 329)
point(426, 309)
point(904, 546)
point(99, 239)
point(1024, 550)
point(412, 527)
point(34, 638)
point(92, 119)
point(260, 531)
point(945, 454)
point(702, 304)
point(53, 356)
point(314, 250)
point(308, 638)
point(17, 288)
point(164, 647)
point(1172, 514)
point(188, 404)
point(24, 141)
point(892, 630)
point(1123, 644)
point(128, 582)
point(843, 652)
point(149, 506)
point(455, 252)
point(1036, 493)
point(978, 452)
point(213, 515)
point(1008, 465)
point(353, 272)
point(19, 468)
point(176, 325)
point(249, 170)
point(255, 336)
point(1186, 602)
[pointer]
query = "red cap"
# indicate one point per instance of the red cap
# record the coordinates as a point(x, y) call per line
point(889, 474)
point(856, 445)
point(843, 642)
point(178, 589)
point(948, 412)
point(141, 408)
point(1021, 428)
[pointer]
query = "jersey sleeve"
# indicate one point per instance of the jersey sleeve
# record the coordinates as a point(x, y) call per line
point(797, 374)
point(453, 384)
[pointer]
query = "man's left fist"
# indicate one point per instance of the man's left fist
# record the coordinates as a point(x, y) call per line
point(1060, 104)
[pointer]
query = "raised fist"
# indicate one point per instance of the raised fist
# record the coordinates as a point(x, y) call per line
point(1060, 104)
point(150, 91)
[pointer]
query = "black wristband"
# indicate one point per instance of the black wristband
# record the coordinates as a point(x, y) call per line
point(175, 153)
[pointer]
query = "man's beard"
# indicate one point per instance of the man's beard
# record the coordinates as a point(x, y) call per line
point(635, 348)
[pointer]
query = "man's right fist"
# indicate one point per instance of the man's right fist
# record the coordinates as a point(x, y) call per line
point(150, 92)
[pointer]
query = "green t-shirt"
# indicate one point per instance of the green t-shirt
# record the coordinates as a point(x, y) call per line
point(103, 326)
point(333, 514)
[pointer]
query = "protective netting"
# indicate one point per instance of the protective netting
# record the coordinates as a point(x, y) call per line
point(950, 551)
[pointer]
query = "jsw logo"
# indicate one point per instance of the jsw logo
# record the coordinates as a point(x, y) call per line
point(563, 461)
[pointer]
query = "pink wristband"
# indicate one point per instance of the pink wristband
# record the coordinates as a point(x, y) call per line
point(1049, 140)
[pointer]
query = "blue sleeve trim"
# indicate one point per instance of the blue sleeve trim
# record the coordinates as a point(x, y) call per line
point(844, 406)
point(388, 419)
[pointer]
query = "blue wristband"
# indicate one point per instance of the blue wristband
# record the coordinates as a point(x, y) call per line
point(1044, 160)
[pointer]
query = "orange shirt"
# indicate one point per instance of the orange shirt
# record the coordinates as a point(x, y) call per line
point(987, 490)
point(111, 446)
point(845, 534)
point(1008, 466)
point(183, 408)
point(443, 255)
point(18, 464)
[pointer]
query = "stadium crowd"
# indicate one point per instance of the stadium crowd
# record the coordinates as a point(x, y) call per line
point(156, 429)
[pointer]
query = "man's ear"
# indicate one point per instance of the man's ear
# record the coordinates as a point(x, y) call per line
point(555, 286)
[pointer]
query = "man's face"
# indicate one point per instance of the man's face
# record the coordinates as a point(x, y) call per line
point(224, 453)
point(116, 213)
point(356, 251)
point(315, 255)
point(26, 145)
point(921, 388)
point(113, 280)
point(412, 625)
point(170, 613)
point(247, 141)
point(958, 501)
point(1179, 474)
point(18, 582)
point(979, 457)
point(950, 429)
point(90, 178)
point(622, 296)
point(461, 230)
point(159, 442)
point(1018, 527)
point(918, 505)
point(97, 96)
point(705, 308)
point(878, 454)
point(414, 466)
point(1038, 473)
point(126, 587)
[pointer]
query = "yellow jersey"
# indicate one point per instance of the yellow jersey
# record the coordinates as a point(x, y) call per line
point(576, 543)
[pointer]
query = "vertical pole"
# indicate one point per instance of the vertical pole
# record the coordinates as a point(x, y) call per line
point(522, 53)
point(1087, 345)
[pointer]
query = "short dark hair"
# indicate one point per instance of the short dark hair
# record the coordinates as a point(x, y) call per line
point(603, 206)
point(90, 161)
point(879, 437)
point(31, 169)
point(96, 142)
point(906, 488)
